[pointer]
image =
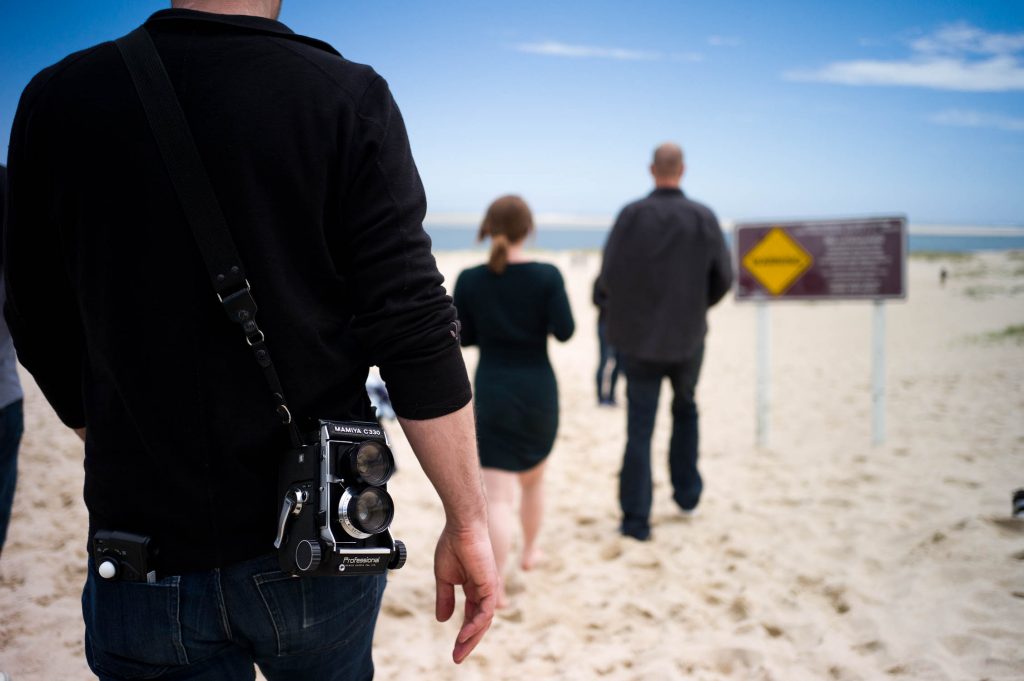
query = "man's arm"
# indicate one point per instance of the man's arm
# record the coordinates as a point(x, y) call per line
point(446, 448)
point(720, 271)
point(603, 284)
point(406, 324)
point(41, 308)
point(598, 296)
point(403, 318)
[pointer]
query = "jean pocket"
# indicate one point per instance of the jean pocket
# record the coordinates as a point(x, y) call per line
point(312, 614)
point(133, 629)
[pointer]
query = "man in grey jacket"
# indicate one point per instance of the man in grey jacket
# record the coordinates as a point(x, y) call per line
point(665, 264)
point(11, 420)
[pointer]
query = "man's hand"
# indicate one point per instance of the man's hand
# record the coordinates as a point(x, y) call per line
point(446, 448)
point(466, 558)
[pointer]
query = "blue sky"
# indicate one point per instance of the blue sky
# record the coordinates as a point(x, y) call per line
point(784, 109)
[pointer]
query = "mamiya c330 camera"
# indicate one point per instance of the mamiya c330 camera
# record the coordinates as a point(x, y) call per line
point(335, 508)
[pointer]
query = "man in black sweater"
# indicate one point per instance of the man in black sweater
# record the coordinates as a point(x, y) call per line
point(114, 315)
point(665, 263)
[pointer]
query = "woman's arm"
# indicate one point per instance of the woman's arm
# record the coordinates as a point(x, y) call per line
point(467, 333)
point(560, 321)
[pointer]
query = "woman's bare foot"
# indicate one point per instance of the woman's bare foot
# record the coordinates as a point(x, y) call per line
point(531, 558)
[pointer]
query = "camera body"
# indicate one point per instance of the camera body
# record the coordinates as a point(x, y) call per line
point(335, 509)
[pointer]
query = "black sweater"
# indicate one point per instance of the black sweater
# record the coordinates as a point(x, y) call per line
point(114, 315)
point(665, 264)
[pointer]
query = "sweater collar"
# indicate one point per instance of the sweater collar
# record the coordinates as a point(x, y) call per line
point(238, 20)
point(242, 21)
point(667, 191)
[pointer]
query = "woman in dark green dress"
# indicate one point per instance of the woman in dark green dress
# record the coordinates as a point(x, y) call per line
point(508, 307)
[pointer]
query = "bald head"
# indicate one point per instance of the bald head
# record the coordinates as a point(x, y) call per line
point(667, 166)
point(270, 9)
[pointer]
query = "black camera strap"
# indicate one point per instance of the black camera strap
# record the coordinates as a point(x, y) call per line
point(199, 202)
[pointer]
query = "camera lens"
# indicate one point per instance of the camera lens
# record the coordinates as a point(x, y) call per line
point(373, 511)
point(372, 462)
point(365, 513)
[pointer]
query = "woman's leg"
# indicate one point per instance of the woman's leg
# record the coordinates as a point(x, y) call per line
point(531, 512)
point(500, 486)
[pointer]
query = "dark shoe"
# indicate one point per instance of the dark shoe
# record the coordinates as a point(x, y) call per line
point(689, 507)
point(638, 533)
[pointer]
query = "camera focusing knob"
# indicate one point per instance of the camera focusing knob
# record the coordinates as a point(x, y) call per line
point(108, 569)
point(399, 556)
point(307, 555)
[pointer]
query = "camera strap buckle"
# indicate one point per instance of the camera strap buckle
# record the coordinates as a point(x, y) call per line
point(241, 309)
point(240, 305)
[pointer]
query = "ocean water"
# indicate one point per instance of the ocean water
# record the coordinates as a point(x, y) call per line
point(457, 237)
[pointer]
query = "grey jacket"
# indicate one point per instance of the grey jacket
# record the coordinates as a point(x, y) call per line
point(665, 264)
point(10, 386)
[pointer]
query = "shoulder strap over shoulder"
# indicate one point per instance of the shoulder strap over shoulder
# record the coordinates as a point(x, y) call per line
point(198, 201)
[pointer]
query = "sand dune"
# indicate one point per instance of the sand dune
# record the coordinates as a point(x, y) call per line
point(818, 557)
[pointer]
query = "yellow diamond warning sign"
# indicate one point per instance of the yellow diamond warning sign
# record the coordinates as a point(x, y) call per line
point(777, 261)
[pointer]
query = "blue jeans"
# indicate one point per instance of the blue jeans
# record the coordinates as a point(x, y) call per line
point(643, 388)
point(215, 625)
point(607, 366)
point(11, 426)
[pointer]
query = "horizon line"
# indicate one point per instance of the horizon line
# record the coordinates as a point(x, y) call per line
point(583, 222)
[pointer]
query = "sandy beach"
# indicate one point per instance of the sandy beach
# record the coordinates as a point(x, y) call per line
point(817, 557)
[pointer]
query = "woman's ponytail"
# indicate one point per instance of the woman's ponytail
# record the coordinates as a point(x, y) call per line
point(499, 254)
point(508, 221)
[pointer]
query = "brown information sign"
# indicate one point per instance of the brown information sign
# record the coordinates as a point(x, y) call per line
point(861, 258)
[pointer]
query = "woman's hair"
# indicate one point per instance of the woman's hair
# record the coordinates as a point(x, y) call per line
point(508, 221)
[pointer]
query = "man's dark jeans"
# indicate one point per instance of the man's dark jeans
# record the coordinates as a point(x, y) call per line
point(214, 625)
point(607, 367)
point(643, 388)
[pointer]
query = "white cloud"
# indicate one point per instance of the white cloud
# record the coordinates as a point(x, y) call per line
point(963, 38)
point(977, 119)
point(957, 57)
point(997, 74)
point(556, 49)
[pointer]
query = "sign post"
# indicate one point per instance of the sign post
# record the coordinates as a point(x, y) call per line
point(764, 351)
point(852, 259)
point(878, 375)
